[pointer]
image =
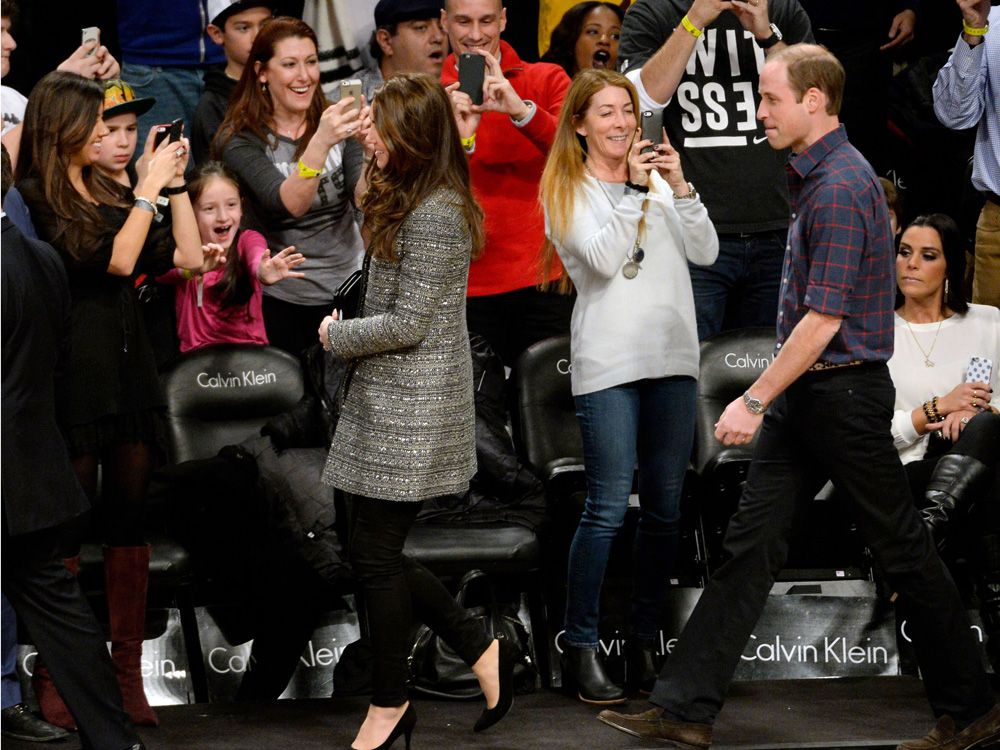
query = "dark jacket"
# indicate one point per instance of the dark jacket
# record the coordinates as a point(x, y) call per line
point(39, 487)
point(211, 112)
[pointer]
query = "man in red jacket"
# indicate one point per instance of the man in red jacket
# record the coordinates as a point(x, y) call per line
point(508, 138)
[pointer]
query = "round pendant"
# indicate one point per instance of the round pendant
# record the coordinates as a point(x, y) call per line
point(630, 270)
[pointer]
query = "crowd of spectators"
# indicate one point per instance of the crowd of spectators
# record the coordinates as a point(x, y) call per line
point(241, 226)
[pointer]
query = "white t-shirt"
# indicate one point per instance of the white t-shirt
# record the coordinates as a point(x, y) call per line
point(961, 337)
point(13, 103)
point(623, 330)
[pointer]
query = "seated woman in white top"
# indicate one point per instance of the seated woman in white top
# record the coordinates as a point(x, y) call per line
point(945, 424)
point(624, 224)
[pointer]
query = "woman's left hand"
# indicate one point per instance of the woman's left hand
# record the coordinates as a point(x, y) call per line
point(953, 424)
point(324, 340)
point(667, 162)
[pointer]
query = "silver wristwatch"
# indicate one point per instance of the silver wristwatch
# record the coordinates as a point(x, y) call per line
point(690, 195)
point(771, 40)
point(754, 405)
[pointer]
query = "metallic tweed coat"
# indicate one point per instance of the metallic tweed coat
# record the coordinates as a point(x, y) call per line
point(407, 426)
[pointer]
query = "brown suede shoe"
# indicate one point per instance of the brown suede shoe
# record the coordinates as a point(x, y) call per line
point(651, 725)
point(983, 731)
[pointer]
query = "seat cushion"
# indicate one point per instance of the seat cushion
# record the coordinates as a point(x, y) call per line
point(493, 548)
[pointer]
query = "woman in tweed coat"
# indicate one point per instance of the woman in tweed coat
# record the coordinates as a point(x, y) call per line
point(407, 427)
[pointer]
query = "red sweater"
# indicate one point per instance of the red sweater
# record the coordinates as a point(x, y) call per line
point(506, 167)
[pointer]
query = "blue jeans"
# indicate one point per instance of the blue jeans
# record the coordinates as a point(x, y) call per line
point(740, 289)
point(651, 421)
point(176, 90)
point(10, 684)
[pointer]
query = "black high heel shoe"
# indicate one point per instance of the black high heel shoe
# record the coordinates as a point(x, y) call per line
point(404, 728)
point(507, 658)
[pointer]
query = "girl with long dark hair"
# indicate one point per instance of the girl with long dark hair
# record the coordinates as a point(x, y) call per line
point(111, 403)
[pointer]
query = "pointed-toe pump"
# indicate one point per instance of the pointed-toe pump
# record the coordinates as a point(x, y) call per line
point(507, 658)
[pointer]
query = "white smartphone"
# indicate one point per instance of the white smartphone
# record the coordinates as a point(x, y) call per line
point(91, 34)
point(980, 370)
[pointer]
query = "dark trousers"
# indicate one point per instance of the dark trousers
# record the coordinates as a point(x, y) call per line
point(397, 589)
point(290, 327)
point(49, 602)
point(832, 424)
point(513, 321)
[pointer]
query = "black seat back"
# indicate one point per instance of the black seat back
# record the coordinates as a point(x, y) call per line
point(549, 431)
point(221, 395)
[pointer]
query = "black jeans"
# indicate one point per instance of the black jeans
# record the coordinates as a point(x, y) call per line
point(396, 589)
point(832, 424)
point(48, 600)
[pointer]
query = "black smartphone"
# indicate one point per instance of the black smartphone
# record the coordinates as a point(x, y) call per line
point(651, 125)
point(471, 74)
point(172, 132)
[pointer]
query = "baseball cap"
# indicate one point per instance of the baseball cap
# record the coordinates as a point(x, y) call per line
point(388, 12)
point(119, 99)
point(220, 10)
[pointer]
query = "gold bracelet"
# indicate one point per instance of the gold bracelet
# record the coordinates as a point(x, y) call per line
point(975, 30)
point(690, 27)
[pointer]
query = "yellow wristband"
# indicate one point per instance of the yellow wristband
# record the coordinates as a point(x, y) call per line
point(186, 273)
point(468, 143)
point(690, 27)
point(973, 30)
point(308, 172)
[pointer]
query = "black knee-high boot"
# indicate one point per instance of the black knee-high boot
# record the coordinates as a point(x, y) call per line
point(987, 556)
point(950, 492)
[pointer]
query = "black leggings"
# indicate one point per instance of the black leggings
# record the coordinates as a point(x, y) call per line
point(396, 589)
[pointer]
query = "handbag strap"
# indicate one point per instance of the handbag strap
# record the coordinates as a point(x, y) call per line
point(353, 364)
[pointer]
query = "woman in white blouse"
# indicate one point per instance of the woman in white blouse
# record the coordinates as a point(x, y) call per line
point(624, 224)
point(945, 424)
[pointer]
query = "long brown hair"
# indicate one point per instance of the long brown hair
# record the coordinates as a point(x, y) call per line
point(413, 116)
point(58, 121)
point(564, 168)
point(250, 106)
point(235, 287)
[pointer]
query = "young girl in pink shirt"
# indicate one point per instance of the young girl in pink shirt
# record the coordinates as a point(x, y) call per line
point(220, 303)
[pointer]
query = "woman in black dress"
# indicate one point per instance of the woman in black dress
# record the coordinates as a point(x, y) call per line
point(111, 406)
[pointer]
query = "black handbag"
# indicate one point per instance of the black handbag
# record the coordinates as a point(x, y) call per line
point(350, 295)
point(437, 671)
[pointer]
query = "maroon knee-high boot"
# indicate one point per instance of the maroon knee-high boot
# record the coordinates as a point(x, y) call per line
point(126, 576)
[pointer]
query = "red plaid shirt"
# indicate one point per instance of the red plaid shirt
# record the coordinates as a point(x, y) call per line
point(840, 258)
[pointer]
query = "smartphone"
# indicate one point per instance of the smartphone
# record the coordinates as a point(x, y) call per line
point(651, 125)
point(91, 34)
point(471, 74)
point(980, 370)
point(352, 87)
point(171, 131)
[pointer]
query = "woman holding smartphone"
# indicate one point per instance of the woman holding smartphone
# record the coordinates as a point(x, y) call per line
point(297, 163)
point(407, 427)
point(945, 423)
point(625, 225)
point(112, 405)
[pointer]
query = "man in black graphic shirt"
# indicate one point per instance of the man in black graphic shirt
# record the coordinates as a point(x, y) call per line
point(699, 62)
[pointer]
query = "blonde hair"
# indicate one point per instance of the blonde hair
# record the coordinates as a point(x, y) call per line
point(564, 168)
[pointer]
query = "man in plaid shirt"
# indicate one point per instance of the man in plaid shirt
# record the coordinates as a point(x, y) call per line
point(823, 408)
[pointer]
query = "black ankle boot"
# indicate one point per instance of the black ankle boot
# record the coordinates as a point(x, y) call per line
point(583, 671)
point(950, 492)
point(642, 665)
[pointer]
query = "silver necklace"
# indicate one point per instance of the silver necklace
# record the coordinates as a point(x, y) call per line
point(633, 259)
point(928, 362)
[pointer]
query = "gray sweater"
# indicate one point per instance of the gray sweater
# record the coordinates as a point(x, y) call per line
point(407, 426)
